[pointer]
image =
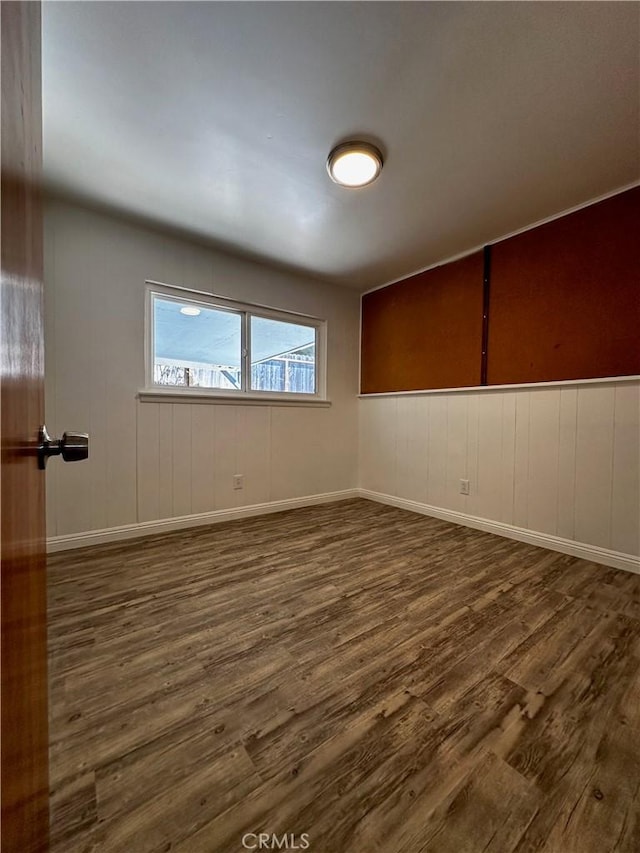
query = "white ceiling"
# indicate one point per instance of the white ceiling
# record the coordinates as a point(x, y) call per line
point(217, 118)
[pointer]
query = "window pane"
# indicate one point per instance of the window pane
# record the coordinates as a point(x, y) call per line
point(283, 356)
point(196, 346)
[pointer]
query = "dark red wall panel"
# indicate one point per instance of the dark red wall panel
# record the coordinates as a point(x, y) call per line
point(565, 297)
point(564, 304)
point(424, 331)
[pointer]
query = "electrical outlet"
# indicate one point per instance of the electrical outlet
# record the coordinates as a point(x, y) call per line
point(464, 487)
point(238, 481)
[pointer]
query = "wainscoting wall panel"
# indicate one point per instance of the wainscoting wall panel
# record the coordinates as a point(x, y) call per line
point(188, 454)
point(563, 461)
point(625, 513)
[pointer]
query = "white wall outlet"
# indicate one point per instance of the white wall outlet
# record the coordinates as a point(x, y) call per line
point(238, 481)
point(464, 487)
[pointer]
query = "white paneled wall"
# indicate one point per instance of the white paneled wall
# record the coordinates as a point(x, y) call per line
point(161, 460)
point(564, 461)
point(188, 454)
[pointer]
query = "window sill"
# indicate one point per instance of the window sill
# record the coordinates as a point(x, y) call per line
point(147, 395)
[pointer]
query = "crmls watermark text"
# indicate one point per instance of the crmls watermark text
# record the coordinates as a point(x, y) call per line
point(271, 841)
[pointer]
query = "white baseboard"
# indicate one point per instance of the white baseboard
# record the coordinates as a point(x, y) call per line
point(544, 540)
point(167, 525)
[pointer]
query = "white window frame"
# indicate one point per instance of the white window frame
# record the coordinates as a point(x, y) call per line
point(246, 310)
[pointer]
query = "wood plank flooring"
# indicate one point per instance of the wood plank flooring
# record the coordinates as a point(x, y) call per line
point(381, 681)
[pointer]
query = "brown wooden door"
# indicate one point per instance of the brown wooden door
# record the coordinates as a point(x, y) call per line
point(25, 798)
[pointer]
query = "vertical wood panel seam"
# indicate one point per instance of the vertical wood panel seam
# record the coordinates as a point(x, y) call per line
point(558, 441)
point(575, 462)
point(137, 405)
point(466, 444)
point(212, 440)
point(466, 449)
point(159, 463)
point(270, 485)
point(172, 460)
point(613, 462)
point(477, 454)
point(528, 457)
point(501, 456)
point(446, 451)
point(557, 496)
point(428, 443)
point(515, 456)
point(192, 467)
point(270, 454)
point(191, 459)
point(612, 471)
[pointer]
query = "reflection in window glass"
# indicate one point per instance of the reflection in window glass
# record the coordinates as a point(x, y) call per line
point(196, 346)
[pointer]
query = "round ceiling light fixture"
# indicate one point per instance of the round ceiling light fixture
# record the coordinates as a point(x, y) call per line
point(189, 310)
point(354, 164)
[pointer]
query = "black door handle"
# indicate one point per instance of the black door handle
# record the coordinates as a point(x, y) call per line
point(73, 447)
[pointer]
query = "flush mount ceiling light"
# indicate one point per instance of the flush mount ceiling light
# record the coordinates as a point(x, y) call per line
point(354, 164)
point(189, 310)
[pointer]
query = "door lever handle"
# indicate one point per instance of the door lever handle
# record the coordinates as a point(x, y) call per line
point(73, 447)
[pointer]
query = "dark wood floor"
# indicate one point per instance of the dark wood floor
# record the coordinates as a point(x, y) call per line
point(379, 680)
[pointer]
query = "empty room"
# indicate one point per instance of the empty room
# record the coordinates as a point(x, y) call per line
point(320, 420)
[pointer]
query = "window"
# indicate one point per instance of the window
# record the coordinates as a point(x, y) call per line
point(204, 345)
